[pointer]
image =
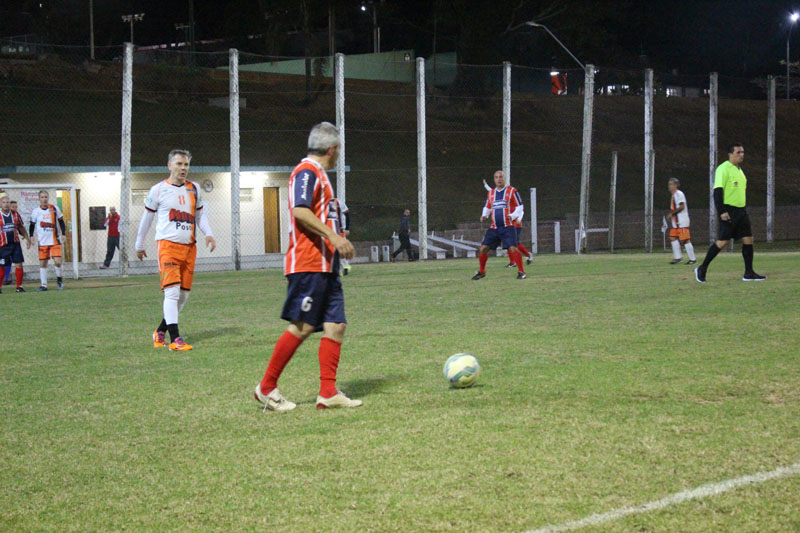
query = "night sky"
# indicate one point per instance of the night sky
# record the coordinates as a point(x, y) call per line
point(743, 38)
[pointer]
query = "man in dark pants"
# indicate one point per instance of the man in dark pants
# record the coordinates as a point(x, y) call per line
point(405, 242)
point(730, 185)
point(112, 223)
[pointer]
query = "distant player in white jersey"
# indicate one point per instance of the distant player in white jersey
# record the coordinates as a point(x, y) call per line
point(177, 205)
point(47, 225)
point(344, 223)
point(678, 217)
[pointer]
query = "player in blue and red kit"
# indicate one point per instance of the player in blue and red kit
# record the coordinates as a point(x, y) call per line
point(503, 207)
point(314, 299)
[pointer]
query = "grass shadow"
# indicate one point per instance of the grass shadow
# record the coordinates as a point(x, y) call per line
point(358, 388)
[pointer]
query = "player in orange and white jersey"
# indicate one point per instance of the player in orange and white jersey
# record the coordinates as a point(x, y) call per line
point(47, 224)
point(678, 217)
point(314, 300)
point(177, 206)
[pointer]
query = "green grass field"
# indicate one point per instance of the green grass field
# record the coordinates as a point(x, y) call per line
point(608, 381)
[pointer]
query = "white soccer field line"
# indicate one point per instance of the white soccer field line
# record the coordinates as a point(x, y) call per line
point(703, 491)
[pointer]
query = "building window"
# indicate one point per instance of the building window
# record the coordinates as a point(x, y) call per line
point(246, 195)
point(138, 196)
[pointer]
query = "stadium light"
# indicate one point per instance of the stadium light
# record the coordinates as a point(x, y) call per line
point(537, 25)
point(133, 17)
point(792, 19)
point(376, 30)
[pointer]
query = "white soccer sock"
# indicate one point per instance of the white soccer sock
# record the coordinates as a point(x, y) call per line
point(43, 276)
point(182, 300)
point(676, 249)
point(58, 271)
point(171, 296)
point(690, 251)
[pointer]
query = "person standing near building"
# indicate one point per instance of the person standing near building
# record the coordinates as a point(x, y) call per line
point(47, 223)
point(503, 206)
point(404, 234)
point(11, 227)
point(314, 299)
point(730, 186)
point(177, 206)
point(344, 221)
point(112, 243)
point(678, 217)
point(8, 270)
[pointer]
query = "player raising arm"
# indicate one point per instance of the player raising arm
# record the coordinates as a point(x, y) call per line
point(176, 205)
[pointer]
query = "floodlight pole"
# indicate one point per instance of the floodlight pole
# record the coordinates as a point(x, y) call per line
point(792, 19)
point(537, 25)
point(588, 111)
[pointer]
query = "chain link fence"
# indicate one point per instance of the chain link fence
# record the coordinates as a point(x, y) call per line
point(62, 118)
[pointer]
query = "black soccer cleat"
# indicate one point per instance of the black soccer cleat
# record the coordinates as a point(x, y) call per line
point(521, 275)
point(20, 289)
point(528, 262)
point(691, 262)
point(674, 261)
point(478, 275)
point(700, 274)
point(511, 265)
point(752, 276)
point(41, 289)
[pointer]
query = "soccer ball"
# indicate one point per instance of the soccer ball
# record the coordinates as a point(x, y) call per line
point(461, 370)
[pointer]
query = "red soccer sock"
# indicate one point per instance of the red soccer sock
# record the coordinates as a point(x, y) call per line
point(518, 260)
point(329, 351)
point(523, 250)
point(482, 258)
point(2, 274)
point(284, 350)
point(18, 272)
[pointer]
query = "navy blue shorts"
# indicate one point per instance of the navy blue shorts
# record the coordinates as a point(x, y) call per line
point(314, 298)
point(505, 236)
point(519, 232)
point(10, 254)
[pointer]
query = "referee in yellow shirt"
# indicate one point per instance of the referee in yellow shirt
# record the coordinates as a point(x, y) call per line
point(730, 185)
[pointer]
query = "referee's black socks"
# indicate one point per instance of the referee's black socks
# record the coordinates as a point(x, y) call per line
point(747, 254)
point(713, 250)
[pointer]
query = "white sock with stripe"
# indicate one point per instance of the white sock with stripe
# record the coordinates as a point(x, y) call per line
point(690, 251)
point(182, 300)
point(58, 271)
point(676, 249)
point(43, 276)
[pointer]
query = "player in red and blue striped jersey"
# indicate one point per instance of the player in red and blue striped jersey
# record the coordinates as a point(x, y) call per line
point(503, 207)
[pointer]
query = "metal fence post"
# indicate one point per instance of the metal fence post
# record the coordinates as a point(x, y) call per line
point(507, 121)
point(534, 224)
point(713, 95)
point(771, 161)
point(612, 202)
point(648, 150)
point(236, 234)
point(586, 159)
point(649, 217)
point(422, 190)
point(125, 158)
point(340, 164)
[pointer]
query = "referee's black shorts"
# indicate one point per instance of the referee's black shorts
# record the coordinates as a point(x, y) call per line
point(737, 227)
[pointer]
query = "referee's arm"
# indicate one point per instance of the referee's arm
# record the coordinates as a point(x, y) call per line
point(719, 202)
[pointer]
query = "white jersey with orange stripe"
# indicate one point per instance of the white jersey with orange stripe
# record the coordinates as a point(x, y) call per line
point(175, 207)
point(46, 222)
